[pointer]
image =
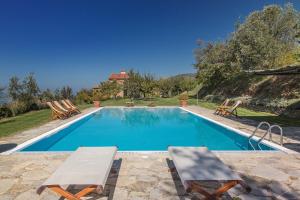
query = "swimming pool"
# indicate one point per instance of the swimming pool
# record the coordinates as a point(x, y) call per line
point(143, 129)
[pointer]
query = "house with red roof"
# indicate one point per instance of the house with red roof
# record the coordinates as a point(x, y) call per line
point(119, 78)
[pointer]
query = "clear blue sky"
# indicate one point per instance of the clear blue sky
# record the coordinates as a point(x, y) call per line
point(79, 43)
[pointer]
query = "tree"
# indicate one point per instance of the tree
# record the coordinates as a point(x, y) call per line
point(66, 92)
point(165, 87)
point(14, 88)
point(105, 89)
point(266, 36)
point(27, 91)
point(2, 94)
point(266, 39)
point(24, 95)
point(30, 90)
point(114, 88)
point(30, 86)
point(132, 85)
point(47, 95)
point(84, 96)
point(187, 84)
point(57, 94)
point(148, 85)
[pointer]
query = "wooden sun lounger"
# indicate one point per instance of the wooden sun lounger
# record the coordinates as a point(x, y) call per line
point(71, 104)
point(230, 110)
point(56, 113)
point(223, 106)
point(87, 167)
point(60, 107)
point(73, 109)
point(196, 164)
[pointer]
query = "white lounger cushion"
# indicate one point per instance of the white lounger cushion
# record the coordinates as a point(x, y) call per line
point(86, 166)
point(199, 164)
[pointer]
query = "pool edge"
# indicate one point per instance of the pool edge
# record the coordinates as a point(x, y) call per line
point(265, 142)
point(48, 133)
point(53, 131)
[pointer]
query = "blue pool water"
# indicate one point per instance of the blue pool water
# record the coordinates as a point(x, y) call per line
point(143, 129)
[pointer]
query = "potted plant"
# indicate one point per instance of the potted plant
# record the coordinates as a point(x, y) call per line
point(96, 99)
point(183, 98)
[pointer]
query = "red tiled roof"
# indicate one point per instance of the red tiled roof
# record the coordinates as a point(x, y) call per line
point(118, 76)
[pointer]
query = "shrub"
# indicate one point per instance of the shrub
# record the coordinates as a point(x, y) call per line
point(183, 96)
point(100, 97)
point(214, 98)
point(18, 107)
point(5, 112)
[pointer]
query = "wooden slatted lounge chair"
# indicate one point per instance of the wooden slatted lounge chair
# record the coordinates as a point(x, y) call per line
point(72, 105)
point(196, 164)
point(223, 106)
point(56, 113)
point(231, 110)
point(87, 167)
point(60, 107)
point(64, 103)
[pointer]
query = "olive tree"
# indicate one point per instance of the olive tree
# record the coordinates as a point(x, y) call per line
point(148, 85)
point(66, 92)
point(133, 85)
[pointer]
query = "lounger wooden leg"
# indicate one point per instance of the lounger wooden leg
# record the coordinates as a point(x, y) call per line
point(224, 188)
point(54, 116)
point(70, 196)
point(62, 192)
point(218, 193)
point(194, 187)
point(86, 191)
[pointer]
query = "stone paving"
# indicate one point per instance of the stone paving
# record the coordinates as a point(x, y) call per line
point(146, 176)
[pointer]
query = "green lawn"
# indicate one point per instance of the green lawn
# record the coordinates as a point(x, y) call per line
point(258, 116)
point(26, 121)
point(35, 118)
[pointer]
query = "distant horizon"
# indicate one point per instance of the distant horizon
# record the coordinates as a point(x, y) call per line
point(80, 43)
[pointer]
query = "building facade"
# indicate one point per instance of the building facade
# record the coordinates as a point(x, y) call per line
point(119, 78)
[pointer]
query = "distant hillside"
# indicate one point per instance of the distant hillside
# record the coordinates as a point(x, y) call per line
point(271, 93)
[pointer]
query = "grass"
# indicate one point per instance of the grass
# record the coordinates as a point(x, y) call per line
point(26, 121)
point(258, 116)
point(32, 119)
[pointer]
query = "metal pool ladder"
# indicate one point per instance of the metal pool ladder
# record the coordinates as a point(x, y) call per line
point(281, 133)
point(268, 131)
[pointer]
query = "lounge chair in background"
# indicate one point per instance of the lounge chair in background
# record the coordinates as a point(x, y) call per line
point(196, 164)
point(56, 113)
point(222, 106)
point(231, 110)
point(60, 107)
point(72, 105)
point(67, 106)
point(87, 167)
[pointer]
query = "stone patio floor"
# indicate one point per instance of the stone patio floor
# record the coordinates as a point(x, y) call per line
point(143, 176)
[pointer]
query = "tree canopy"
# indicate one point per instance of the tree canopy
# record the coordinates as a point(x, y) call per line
point(266, 39)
